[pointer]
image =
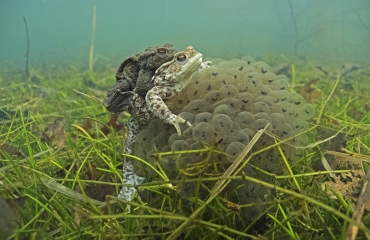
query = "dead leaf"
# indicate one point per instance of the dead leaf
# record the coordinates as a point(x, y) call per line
point(112, 123)
point(347, 184)
point(12, 151)
point(322, 70)
point(98, 191)
point(309, 92)
point(55, 131)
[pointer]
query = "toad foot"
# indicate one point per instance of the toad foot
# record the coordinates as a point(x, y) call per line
point(205, 64)
point(176, 121)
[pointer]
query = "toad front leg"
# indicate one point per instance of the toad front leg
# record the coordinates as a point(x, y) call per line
point(154, 100)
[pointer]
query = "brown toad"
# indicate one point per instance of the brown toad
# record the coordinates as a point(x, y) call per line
point(168, 81)
point(135, 74)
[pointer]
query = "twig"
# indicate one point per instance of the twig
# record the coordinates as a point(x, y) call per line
point(359, 211)
point(86, 95)
point(28, 48)
point(91, 59)
point(295, 28)
point(50, 183)
point(363, 24)
point(327, 100)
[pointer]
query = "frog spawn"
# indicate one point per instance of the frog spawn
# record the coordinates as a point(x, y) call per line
point(227, 104)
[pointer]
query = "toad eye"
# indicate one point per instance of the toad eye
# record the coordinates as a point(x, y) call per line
point(161, 52)
point(182, 58)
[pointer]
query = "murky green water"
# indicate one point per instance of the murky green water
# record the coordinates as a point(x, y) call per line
point(61, 30)
point(52, 120)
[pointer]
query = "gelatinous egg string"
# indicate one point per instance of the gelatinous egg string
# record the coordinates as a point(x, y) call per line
point(228, 103)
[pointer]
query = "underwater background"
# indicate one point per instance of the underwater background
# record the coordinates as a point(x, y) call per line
point(61, 151)
point(331, 30)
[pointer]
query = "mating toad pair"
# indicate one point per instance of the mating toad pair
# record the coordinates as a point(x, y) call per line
point(143, 82)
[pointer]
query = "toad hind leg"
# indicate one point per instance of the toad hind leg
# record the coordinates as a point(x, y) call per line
point(154, 99)
point(129, 176)
point(134, 127)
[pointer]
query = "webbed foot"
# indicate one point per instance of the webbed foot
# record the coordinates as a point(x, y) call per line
point(176, 120)
point(129, 177)
point(205, 64)
point(117, 101)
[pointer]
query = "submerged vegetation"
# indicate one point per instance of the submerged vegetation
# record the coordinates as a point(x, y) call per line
point(61, 157)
